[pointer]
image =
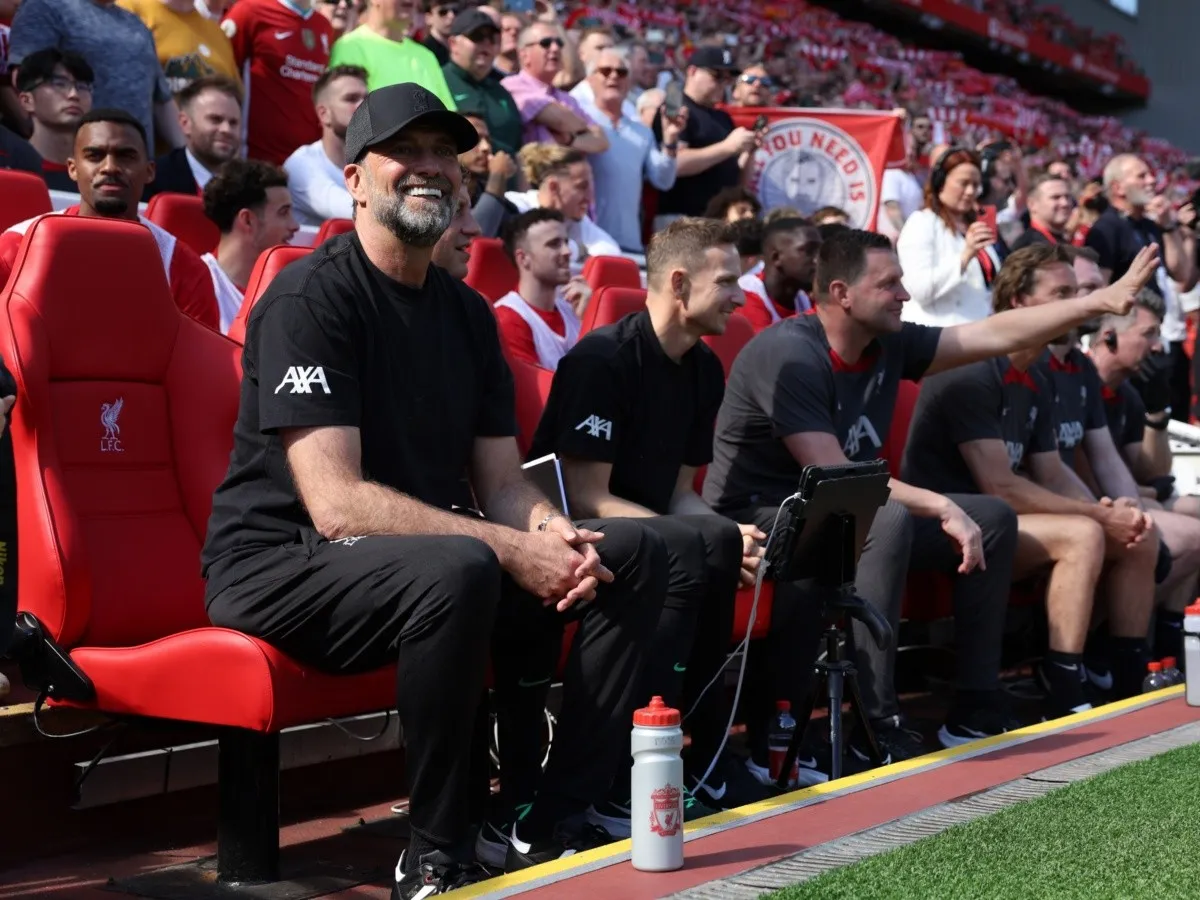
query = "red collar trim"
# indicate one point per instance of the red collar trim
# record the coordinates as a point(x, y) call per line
point(1023, 378)
point(1064, 365)
point(864, 363)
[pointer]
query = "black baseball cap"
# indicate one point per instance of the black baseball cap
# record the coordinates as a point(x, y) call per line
point(719, 58)
point(472, 20)
point(388, 110)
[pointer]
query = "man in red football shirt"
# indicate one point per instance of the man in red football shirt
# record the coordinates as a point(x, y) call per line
point(282, 47)
point(112, 166)
point(780, 289)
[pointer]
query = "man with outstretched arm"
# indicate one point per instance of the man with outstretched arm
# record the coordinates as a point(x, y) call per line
point(821, 390)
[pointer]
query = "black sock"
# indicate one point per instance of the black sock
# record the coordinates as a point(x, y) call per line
point(1168, 634)
point(1129, 658)
point(1063, 673)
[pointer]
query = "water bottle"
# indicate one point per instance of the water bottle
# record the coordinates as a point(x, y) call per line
point(1154, 679)
point(779, 738)
point(1191, 653)
point(1170, 672)
point(656, 810)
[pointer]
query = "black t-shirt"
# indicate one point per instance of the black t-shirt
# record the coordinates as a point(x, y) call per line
point(1032, 236)
point(1118, 239)
point(18, 154)
point(690, 195)
point(618, 398)
point(787, 381)
point(985, 400)
point(334, 342)
point(1126, 414)
point(1078, 404)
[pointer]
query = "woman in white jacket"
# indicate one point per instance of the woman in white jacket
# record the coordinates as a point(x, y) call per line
point(940, 247)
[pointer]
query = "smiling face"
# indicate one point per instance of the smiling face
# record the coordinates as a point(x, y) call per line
point(713, 293)
point(453, 250)
point(212, 124)
point(876, 299)
point(408, 184)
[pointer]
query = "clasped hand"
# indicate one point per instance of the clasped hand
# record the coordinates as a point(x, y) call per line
point(560, 566)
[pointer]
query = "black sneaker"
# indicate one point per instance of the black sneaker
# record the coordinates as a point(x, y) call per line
point(437, 873)
point(729, 786)
point(1065, 696)
point(491, 845)
point(568, 840)
point(964, 726)
point(896, 742)
point(614, 817)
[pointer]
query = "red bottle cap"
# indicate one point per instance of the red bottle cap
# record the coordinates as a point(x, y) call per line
point(1193, 610)
point(1154, 666)
point(657, 715)
point(783, 706)
point(1169, 662)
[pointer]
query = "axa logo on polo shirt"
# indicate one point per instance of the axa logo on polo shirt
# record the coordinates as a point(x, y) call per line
point(1070, 434)
point(1016, 453)
point(596, 427)
point(303, 378)
point(109, 414)
point(860, 431)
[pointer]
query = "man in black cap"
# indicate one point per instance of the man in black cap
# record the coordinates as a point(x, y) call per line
point(373, 383)
point(474, 42)
point(712, 153)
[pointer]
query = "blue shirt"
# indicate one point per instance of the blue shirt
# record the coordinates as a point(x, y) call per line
point(632, 155)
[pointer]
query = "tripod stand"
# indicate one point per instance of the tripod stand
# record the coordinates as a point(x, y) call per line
point(826, 527)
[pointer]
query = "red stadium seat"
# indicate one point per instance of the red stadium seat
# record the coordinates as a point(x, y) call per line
point(269, 264)
point(532, 386)
point(23, 195)
point(489, 270)
point(611, 304)
point(121, 432)
point(183, 216)
point(611, 271)
point(727, 346)
point(332, 228)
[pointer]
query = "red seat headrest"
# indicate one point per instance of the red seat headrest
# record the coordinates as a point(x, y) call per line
point(489, 270)
point(611, 304)
point(332, 228)
point(23, 195)
point(270, 263)
point(183, 216)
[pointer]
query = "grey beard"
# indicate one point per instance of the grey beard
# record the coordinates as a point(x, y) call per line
point(422, 228)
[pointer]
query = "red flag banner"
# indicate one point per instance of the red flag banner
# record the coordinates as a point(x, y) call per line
point(812, 158)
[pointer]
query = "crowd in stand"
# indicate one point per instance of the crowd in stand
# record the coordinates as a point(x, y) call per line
point(1043, 302)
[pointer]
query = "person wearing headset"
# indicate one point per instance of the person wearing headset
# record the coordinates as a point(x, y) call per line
point(942, 248)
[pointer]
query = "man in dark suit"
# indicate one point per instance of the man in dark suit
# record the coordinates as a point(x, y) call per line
point(210, 114)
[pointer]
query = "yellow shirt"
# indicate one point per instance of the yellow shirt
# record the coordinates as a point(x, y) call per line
point(188, 44)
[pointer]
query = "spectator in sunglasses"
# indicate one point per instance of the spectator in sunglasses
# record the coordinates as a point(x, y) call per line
point(549, 114)
point(342, 14)
point(753, 88)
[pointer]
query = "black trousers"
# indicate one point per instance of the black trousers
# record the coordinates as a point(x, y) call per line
point(897, 543)
point(601, 684)
point(1181, 382)
point(704, 559)
point(432, 603)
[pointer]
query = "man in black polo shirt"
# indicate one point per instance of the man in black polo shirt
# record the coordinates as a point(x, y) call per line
point(1125, 227)
point(373, 382)
point(631, 414)
point(820, 390)
point(988, 429)
point(1049, 211)
point(712, 152)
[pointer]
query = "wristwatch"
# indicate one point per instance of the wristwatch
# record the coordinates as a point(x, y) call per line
point(1159, 424)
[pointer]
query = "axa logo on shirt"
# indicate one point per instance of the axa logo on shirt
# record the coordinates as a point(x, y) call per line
point(1016, 453)
point(859, 431)
point(1070, 434)
point(302, 379)
point(596, 426)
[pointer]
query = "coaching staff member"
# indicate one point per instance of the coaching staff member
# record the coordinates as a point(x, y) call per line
point(631, 413)
point(372, 382)
point(820, 390)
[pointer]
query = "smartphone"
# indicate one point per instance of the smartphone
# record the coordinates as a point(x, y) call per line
point(674, 100)
point(987, 215)
point(761, 123)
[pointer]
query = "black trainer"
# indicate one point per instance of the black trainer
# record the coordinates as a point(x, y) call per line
point(896, 742)
point(491, 844)
point(729, 785)
point(569, 839)
point(436, 873)
point(966, 725)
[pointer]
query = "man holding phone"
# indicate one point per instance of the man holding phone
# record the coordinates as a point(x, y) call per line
point(712, 153)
